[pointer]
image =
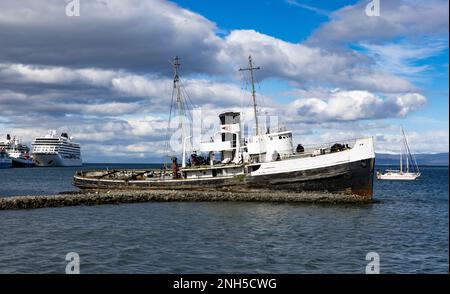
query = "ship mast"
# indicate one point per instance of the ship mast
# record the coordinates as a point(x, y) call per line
point(177, 87)
point(250, 68)
point(178, 107)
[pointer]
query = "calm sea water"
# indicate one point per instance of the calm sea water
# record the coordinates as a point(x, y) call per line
point(408, 229)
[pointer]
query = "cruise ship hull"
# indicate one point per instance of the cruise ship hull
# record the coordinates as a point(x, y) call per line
point(54, 160)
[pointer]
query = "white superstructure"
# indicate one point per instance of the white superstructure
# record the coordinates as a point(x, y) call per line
point(267, 154)
point(54, 150)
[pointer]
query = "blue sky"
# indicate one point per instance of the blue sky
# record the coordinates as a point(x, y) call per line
point(294, 21)
point(275, 18)
point(328, 70)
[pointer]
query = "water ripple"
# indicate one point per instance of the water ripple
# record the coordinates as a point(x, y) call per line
point(409, 230)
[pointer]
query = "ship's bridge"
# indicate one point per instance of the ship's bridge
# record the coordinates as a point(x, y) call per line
point(227, 139)
point(271, 146)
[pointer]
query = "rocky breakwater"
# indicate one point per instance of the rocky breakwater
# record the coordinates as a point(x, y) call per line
point(93, 197)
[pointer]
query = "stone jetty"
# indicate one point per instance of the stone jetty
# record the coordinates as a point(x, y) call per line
point(93, 197)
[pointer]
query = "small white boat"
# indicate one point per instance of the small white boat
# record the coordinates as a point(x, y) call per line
point(410, 173)
point(397, 175)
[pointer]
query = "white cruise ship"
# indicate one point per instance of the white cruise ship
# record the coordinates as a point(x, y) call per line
point(54, 150)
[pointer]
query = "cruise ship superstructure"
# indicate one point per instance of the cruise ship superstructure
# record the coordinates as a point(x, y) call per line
point(56, 150)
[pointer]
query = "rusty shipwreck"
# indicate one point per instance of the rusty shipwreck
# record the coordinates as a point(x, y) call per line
point(266, 160)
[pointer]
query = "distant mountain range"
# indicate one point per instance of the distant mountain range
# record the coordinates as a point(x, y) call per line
point(422, 159)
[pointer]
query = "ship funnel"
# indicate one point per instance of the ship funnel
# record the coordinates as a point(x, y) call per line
point(227, 118)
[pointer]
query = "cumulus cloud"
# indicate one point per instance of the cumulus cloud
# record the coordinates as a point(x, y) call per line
point(144, 35)
point(308, 65)
point(17, 72)
point(419, 142)
point(127, 34)
point(153, 89)
point(398, 19)
point(353, 105)
point(105, 76)
point(386, 136)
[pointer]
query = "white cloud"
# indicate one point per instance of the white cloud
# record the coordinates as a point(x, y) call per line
point(352, 105)
point(398, 18)
point(401, 58)
point(307, 64)
point(55, 74)
point(105, 76)
point(419, 142)
point(127, 34)
point(148, 33)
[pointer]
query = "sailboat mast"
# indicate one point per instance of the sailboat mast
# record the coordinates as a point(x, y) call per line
point(410, 155)
point(405, 144)
point(401, 154)
point(251, 69)
point(407, 161)
point(401, 160)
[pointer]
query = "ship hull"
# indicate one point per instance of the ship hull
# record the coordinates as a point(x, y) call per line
point(55, 160)
point(353, 178)
point(347, 172)
point(20, 162)
point(5, 164)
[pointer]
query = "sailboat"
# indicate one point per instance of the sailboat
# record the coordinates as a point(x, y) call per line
point(410, 172)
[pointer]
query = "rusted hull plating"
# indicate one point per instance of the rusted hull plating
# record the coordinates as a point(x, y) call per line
point(354, 178)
